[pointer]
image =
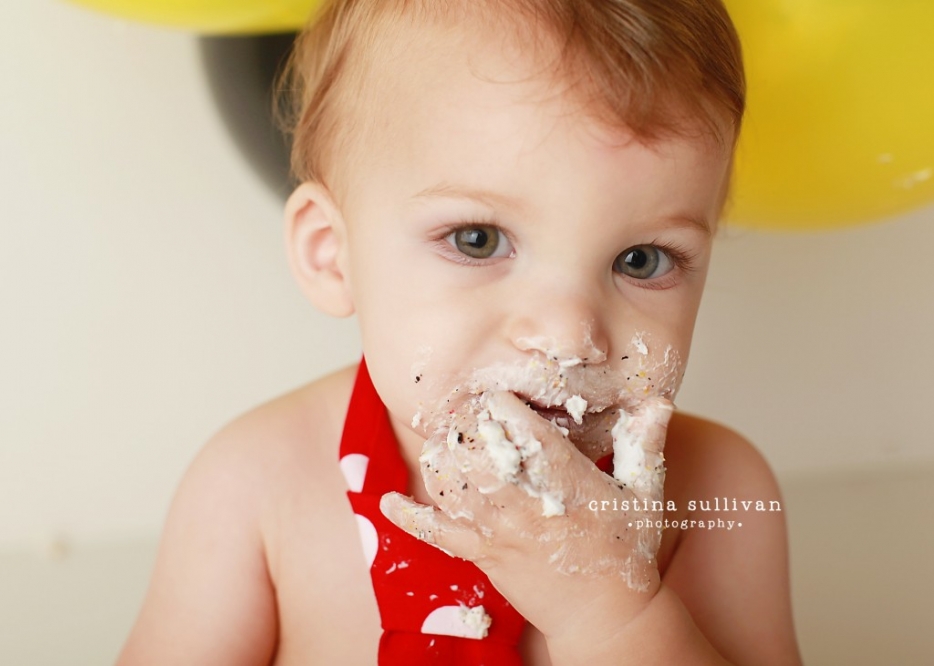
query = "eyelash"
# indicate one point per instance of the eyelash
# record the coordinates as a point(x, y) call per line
point(454, 255)
point(684, 260)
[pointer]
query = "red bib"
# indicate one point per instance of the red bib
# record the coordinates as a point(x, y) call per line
point(429, 602)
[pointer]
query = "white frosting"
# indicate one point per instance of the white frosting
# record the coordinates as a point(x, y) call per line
point(633, 466)
point(565, 355)
point(543, 383)
point(461, 621)
point(504, 453)
point(452, 442)
point(552, 499)
point(639, 344)
point(628, 455)
point(552, 505)
point(477, 619)
point(576, 407)
point(564, 431)
point(509, 447)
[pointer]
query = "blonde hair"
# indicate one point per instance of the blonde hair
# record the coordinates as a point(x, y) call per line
point(657, 67)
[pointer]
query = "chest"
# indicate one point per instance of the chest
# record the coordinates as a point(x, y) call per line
point(327, 608)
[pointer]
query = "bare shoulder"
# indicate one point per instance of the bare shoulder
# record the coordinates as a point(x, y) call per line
point(284, 452)
point(706, 457)
point(729, 564)
point(260, 453)
point(213, 594)
point(291, 423)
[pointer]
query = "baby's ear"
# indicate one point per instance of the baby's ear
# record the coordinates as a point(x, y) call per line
point(316, 242)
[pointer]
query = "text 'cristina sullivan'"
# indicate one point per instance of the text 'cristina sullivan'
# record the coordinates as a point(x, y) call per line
point(698, 511)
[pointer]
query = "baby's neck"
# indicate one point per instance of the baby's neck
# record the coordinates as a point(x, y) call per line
point(410, 447)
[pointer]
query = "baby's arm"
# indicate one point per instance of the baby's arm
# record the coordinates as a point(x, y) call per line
point(734, 583)
point(210, 600)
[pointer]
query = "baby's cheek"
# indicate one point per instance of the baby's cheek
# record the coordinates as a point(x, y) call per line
point(652, 369)
point(436, 390)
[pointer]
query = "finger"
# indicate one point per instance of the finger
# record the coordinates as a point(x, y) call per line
point(650, 421)
point(522, 456)
point(539, 440)
point(488, 463)
point(432, 526)
point(449, 486)
point(638, 447)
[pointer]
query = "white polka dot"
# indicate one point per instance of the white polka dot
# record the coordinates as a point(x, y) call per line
point(458, 621)
point(354, 465)
point(368, 538)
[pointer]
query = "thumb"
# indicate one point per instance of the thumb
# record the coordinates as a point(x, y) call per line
point(431, 525)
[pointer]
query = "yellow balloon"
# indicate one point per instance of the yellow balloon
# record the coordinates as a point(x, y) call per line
point(219, 17)
point(840, 124)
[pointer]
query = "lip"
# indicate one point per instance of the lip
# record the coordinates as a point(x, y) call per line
point(556, 408)
point(591, 437)
point(558, 415)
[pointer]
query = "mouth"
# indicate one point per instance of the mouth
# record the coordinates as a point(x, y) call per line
point(592, 436)
point(557, 415)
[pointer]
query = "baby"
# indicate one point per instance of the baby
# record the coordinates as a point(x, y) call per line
point(517, 198)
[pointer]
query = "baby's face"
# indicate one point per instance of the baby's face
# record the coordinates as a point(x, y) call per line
point(493, 227)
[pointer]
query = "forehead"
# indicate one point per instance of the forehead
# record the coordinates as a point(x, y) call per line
point(445, 103)
point(432, 70)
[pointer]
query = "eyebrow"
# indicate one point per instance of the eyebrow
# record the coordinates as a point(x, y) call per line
point(499, 200)
point(486, 197)
point(690, 221)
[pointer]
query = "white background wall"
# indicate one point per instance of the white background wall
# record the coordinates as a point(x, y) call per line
point(145, 300)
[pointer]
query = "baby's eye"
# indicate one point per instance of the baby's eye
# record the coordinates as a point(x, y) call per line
point(643, 262)
point(480, 242)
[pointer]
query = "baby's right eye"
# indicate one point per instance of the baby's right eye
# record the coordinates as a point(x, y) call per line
point(480, 242)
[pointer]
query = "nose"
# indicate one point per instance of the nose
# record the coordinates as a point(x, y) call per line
point(563, 327)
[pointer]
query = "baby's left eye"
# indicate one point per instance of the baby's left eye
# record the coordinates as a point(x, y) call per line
point(480, 242)
point(643, 262)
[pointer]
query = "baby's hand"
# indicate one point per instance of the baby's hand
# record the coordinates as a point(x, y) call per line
point(557, 537)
